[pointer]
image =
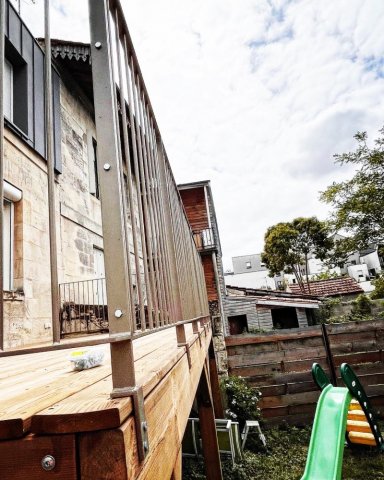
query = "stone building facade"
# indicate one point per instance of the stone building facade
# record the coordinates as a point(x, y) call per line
point(27, 283)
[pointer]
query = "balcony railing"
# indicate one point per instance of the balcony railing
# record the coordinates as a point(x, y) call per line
point(204, 239)
point(83, 307)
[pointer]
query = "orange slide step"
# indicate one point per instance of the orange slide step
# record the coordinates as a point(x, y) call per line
point(362, 438)
point(357, 415)
point(358, 426)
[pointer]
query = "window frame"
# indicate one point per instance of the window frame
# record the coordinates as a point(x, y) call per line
point(8, 64)
point(8, 239)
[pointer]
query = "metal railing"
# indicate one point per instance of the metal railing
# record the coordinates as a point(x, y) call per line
point(154, 276)
point(83, 307)
point(136, 183)
point(204, 239)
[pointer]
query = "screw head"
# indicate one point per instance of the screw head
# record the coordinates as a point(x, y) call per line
point(48, 463)
point(145, 445)
point(98, 45)
point(145, 426)
point(353, 384)
point(107, 166)
point(118, 313)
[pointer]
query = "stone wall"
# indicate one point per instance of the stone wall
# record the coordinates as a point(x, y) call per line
point(27, 310)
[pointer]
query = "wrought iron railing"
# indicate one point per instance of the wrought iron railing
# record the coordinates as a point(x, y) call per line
point(83, 307)
point(204, 239)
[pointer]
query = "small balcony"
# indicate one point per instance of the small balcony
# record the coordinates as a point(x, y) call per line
point(83, 307)
point(205, 240)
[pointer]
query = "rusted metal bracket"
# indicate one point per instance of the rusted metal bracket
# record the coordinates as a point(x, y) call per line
point(136, 393)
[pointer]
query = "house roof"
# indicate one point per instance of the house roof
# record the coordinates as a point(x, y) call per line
point(75, 57)
point(255, 292)
point(275, 298)
point(331, 287)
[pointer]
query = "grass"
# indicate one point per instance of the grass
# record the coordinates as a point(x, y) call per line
point(286, 458)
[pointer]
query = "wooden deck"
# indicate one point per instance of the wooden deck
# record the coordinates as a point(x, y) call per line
point(46, 408)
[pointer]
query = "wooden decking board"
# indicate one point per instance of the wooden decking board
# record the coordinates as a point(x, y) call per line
point(79, 413)
point(112, 454)
point(46, 391)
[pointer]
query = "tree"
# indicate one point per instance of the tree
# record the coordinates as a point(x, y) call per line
point(359, 202)
point(287, 246)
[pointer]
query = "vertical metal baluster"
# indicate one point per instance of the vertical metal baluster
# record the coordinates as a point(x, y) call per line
point(142, 181)
point(124, 85)
point(165, 279)
point(2, 45)
point(150, 209)
point(161, 207)
point(153, 174)
point(51, 175)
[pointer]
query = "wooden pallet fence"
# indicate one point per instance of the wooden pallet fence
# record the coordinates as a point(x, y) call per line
point(279, 364)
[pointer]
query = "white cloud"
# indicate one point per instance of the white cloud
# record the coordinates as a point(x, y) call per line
point(255, 95)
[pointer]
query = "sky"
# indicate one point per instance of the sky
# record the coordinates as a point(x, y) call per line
point(254, 95)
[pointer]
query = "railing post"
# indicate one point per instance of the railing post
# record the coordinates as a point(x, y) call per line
point(2, 44)
point(113, 203)
point(51, 178)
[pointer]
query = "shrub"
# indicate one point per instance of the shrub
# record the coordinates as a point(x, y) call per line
point(361, 306)
point(242, 400)
point(379, 288)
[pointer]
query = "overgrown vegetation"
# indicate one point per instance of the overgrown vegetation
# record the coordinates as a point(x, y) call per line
point(286, 458)
point(379, 288)
point(361, 310)
point(242, 400)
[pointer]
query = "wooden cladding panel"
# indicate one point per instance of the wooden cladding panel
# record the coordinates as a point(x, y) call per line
point(210, 280)
point(195, 207)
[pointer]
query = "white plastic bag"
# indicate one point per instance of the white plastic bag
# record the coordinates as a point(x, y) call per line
point(86, 358)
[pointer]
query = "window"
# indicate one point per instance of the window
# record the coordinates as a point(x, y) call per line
point(248, 265)
point(11, 194)
point(98, 262)
point(238, 324)
point(93, 172)
point(8, 91)
point(8, 245)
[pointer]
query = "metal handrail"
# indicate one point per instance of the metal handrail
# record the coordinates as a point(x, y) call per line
point(204, 239)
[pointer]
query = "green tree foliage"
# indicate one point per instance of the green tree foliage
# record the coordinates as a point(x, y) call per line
point(358, 203)
point(379, 288)
point(287, 246)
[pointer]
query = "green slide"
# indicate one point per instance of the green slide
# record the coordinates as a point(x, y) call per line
point(341, 413)
point(325, 454)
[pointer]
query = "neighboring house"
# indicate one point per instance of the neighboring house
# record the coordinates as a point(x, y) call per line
point(248, 263)
point(249, 271)
point(251, 310)
point(200, 209)
point(345, 287)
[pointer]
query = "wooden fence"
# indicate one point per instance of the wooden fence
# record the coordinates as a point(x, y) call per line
point(279, 364)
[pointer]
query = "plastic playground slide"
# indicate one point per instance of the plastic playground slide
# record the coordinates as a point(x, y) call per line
point(341, 414)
